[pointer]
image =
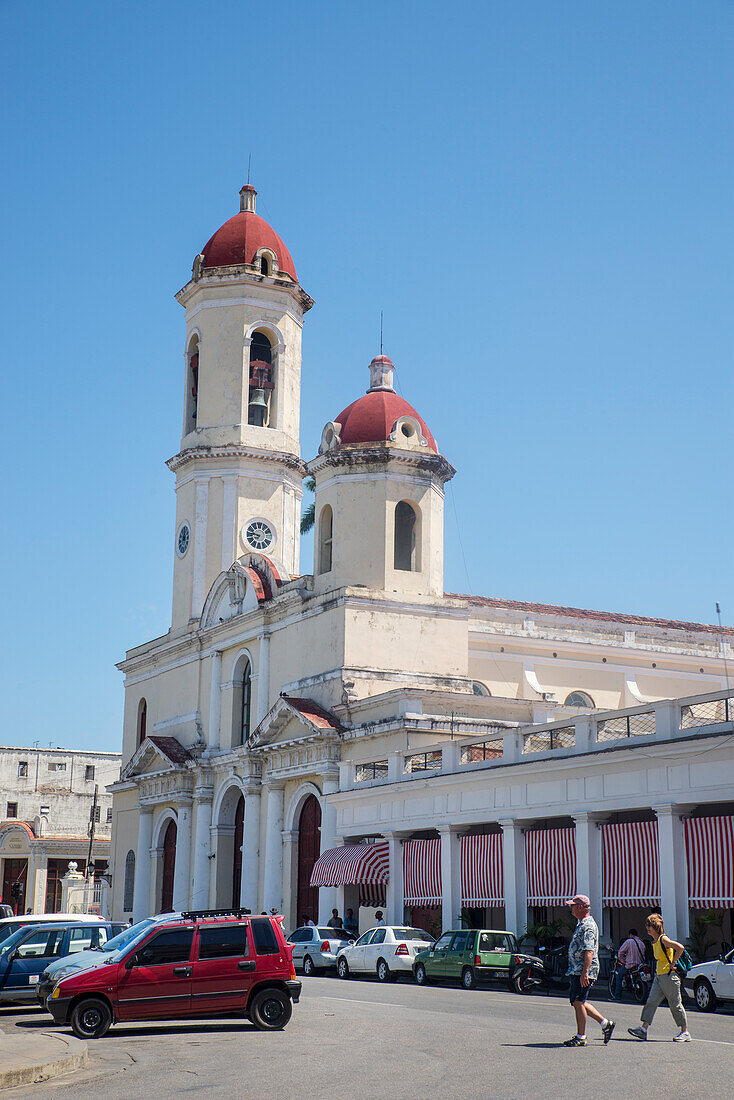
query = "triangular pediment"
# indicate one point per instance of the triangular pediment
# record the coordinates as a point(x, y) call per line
point(291, 719)
point(157, 754)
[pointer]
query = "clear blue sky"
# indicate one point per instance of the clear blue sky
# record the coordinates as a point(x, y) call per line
point(539, 196)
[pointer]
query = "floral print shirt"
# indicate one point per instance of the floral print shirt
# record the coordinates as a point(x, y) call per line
point(585, 938)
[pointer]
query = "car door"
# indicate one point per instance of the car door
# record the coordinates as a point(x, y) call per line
point(435, 962)
point(30, 957)
point(355, 955)
point(223, 969)
point(454, 958)
point(155, 979)
point(725, 978)
point(373, 950)
point(298, 941)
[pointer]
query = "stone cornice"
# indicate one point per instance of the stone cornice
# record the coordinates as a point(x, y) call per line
point(353, 455)
point(281, 458)
point(245, 275)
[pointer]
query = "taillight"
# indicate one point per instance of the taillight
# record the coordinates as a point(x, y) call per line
point(477, 960)
point(516, 959)
point(401, 949)
point(326, 946)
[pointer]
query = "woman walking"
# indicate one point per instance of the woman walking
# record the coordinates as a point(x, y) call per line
point(666, 986)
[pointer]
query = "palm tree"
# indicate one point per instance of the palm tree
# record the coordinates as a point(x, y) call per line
point(308, 518)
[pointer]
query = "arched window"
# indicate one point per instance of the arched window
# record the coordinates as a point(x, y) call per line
point(407, 525)
point(142, 721)
point(192, 385)
point(480, 689)
point(245, 707)
point(264, 265)
point(326, 533)
point(259, 408)
point(129, 890)
point(580, 699)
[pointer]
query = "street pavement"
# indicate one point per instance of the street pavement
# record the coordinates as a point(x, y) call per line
point(398, 1041)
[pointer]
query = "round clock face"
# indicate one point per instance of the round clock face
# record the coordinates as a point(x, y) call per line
point(259, 535)
point(183, 539)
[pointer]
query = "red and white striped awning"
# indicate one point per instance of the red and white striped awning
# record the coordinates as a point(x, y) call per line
point(422, 872)
point(481, 870)
point(710, 854)
point(353, 863)
point(550, 860)
point(630, 864)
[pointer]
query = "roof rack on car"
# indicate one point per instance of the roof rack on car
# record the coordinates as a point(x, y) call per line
point(197, 914)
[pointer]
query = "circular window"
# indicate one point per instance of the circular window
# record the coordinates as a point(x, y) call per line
point(183, 538)
point(258, 535)
point(408, 430)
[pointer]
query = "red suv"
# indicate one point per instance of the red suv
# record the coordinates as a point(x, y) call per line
point(200, 964)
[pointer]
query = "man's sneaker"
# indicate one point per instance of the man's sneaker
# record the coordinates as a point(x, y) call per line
point(575, 1041)
point(638, 1032)
point(684, 1037)
point(607, 1031)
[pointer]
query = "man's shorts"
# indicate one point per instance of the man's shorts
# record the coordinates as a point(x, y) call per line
point(577, 991)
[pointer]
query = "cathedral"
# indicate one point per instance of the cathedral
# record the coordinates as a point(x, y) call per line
point(272, 725)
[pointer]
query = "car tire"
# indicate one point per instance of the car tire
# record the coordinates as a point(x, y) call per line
point(271, 1009)
point(468, 978)
point(308, 966)
point(420, 975)
point(91, 1018)
point(704, 996)
point(342, 967)
point(384, 974)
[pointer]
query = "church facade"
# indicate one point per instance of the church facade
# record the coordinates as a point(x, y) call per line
point(266, 726)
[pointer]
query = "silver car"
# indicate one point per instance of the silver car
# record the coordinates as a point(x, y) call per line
point(317, 948)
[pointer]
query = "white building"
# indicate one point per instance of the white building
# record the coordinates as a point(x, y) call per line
point(47, 802)
point(248, 725)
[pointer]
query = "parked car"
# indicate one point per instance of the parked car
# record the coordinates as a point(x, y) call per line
point(96, 954)
point(8, 925)
point(25, 954)
point(711, 982)
point(317, 948)
point(472, 955)
point(197, 965)
point(384, 951)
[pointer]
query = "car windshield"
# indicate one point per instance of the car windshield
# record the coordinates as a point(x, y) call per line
point(122, 939)
point(412, 934)
point(141, 930)
point(335, 934)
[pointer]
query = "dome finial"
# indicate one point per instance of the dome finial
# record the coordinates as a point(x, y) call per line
point(381, 372)
point(247, 199)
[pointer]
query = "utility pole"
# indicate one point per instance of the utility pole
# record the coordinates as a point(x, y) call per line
point(90, 865)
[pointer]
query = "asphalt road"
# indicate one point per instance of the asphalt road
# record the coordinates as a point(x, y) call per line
point(357, 1038)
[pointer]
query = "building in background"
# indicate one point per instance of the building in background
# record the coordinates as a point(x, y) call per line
point(280, 715)
point(45, 813)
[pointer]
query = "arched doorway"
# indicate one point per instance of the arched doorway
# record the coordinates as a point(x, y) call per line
point(239, 822)
point(309, 847)
point(169, 866)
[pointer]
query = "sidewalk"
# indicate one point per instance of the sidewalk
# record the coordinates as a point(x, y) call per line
point(28, 1059)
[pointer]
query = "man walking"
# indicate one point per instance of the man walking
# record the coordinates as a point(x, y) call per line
point(583, 970)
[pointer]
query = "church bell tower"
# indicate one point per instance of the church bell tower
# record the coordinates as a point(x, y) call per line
point(238, 470)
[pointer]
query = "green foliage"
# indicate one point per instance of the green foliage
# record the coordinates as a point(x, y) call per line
point(545, 934)
point(308, 517)
point(698, 943)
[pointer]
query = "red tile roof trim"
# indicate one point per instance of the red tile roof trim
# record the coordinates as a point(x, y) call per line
point(315, 714)
point(172, 748)
point(586, 613)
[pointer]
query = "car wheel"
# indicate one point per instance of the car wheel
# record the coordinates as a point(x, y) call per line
point(342, 967)
point(468, 980)
point(420, 975)
point(383, 971)
point(704, 996)
point(91, 1018)
point(308, 966)
point(270, 1010)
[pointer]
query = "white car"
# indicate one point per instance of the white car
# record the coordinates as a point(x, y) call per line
point(317, 948)
point(711, 982)
point(384, 951)
point(8, 925)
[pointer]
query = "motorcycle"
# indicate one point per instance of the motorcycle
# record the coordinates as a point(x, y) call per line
point(547, 970)
point(636, 981)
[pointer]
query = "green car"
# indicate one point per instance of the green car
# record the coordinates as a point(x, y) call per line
point(472, 955)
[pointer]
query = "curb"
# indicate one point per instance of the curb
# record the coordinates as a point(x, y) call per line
point(29, 1070)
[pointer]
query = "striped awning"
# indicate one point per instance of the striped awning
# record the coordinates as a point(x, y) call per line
point(630, 864)
point(422, 872)
point(373, 895)
point(710, 855)
point(550, 859)
point(353, 863)
point(481, 870)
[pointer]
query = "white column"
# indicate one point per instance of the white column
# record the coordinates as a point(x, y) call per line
point(273, 879)
point(328, 894)
point(250, 850)
point(450, 877)
point(229, 521)
point(181, 870)
point(202, 845)
point(588, 862)
point(215, 700)
point(263, 677)
point(513, 868)
point(199, 567)
point(395, 905)
point(673, 873)
point(141, 896)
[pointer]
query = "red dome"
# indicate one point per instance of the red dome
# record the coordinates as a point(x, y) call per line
point(369, 419)
point(240, 238)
